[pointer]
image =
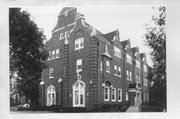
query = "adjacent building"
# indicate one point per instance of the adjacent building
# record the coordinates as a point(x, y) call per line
point(87, 67)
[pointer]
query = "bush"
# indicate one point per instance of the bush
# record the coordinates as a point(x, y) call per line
point(151, 109)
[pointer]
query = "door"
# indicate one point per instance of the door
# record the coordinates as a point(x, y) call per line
point(79, 94)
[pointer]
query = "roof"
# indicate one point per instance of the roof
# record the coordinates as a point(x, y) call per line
point(124, 43)
point(109, 36)
point(66, 9)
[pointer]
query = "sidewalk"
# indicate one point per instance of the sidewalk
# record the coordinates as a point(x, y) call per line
point(133, 109)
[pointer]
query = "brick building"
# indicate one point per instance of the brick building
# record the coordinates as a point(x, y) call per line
point(87, 67)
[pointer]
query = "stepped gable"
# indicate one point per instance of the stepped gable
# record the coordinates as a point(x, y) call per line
point(109, 36)
point(124, 43)
point(134, 50)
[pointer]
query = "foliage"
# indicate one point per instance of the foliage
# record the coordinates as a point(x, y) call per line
point(156, 40)
point(27, 52)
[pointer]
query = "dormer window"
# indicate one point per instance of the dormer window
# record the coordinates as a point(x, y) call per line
point(79, 43)
point(129, 59)
point(117, 52)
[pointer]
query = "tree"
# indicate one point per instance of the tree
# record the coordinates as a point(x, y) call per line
point(27, 53)
point(156, 39)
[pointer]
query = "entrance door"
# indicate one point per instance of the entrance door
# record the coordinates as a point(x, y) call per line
point(79, 94)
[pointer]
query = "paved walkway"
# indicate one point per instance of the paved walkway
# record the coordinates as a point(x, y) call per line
point(133, 109)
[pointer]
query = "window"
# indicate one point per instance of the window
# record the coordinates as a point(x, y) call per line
point(115, 70)
point(130, 76)
point(79, 94)
point(119, 71)
point(101, 66)
point(51, 96)
point(117, 52)
point(106, 93)
point(127, 74)
point(78, 65)
point(145, 68)
point(61, 36)
point(66, 34)
point(51, 73)
point(107, 66)
point(129, 60)
point(119, 95)
point(57, 53)
point(113, 94)
point(49, 58)
point(145, 81)
point(53, 54)
point(137, 64)
point(127, 96)
point(79, 43)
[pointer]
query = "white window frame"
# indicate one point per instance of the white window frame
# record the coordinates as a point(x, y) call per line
point(81, 91)
point(66, 34)
point(101, 66)
point(108, 66)
point(113, 92)
point(117, 52)
point(130, 75)
point(145, 68)
point(108, 94)
point(127, 96)
point(78, 63)
point(78, 42)
point(53, 54)
point(50, 91)
point(57, 53)
point(128, 58)
point(115, 70)
point(51, 73)
point(61, 36)
point(127, 74)
point(119, 69)
point(119, 95)
point(49, 57)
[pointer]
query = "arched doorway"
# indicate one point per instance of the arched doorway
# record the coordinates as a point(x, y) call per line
point(51, 95)
point(79, 94)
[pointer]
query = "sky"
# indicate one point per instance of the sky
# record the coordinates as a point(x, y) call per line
point(129, 20)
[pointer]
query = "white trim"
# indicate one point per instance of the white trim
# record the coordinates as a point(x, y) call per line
point(113, 100)
point(71, 24)
point(79, 91)
point(50, 91)
point(108, 94)
point(109, 68)
point(61, 28)
point(120, 94)
point(57, 53)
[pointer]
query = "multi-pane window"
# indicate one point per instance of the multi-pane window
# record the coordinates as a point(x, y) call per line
point(127, 96)
point(101, 66)
point(145, 68)
point(117, 52)
point(113, 94)
point(145, 81)
point(130, 76)
point(61, 36)
point(79, 65)
point(51, 72)
point(119, 71)
point(57, 53)
point(127, 74)
point(49, 58)
point(53, 54)
point(107, 66)
point(79, 43)
point(115, 70)
point(129, 59)
point(137, 64)
point(51, 96)
point(106, 93)
point(119, 95)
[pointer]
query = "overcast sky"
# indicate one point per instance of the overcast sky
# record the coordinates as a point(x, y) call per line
point(129, 20)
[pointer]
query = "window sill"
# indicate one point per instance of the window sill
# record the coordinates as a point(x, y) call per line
point(107, 71)
point(78, 48)
point(113, 100)
point(106, 100)
point(119, 100)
